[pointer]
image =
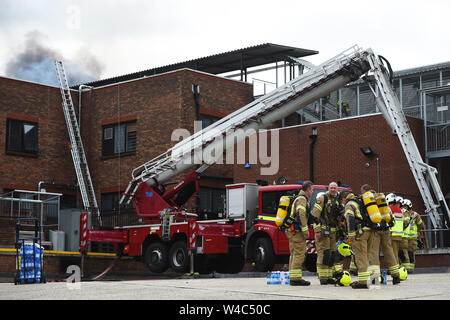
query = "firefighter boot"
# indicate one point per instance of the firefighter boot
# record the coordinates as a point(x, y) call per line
point(358, 285)
point(300, 282)
point(396, 280)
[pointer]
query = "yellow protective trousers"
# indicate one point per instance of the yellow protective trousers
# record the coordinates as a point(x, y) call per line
point(297, 248)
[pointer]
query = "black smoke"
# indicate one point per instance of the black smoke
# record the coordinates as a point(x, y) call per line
point(36, 63)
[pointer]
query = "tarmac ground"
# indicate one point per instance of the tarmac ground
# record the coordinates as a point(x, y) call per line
point(241, 287)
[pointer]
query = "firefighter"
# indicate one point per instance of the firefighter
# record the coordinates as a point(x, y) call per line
point(324, 214)
point(382, 236)
point(359, 237)
point(298, 233)
point(403, 250)
point(397, 228)
point(415, 225)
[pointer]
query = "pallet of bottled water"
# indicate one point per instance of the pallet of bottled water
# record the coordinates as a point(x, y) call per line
point(277, 277)
point(30, 263)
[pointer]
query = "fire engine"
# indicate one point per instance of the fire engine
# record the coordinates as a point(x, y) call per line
point(172, 237)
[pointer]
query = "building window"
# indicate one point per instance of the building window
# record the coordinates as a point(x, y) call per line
point(119, 138)
point(21, 136)
point(207, 120)
point(110, 202)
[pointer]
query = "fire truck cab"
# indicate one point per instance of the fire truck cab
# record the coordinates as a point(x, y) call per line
point(267, 245)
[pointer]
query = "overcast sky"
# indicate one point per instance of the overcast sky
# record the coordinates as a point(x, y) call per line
point(110, 38)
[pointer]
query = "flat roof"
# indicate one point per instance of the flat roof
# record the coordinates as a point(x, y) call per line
point(240, 59)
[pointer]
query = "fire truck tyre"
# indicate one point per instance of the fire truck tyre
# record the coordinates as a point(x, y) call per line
point(157, 257)
point(263, 255)
point(179, 257)
point(232, 263)
point(311, 262)
point(203, 264)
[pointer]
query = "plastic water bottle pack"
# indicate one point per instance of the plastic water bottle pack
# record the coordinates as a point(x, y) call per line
point(30, 260)
point(277, 277)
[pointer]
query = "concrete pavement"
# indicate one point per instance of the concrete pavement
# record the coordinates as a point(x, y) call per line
point(423, 286)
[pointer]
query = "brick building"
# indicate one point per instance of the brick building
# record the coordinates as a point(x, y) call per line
point(123, 125)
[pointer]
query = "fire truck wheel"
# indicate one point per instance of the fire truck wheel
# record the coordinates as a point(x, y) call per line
point(263, 255)
point(203, 264)
point(232, 263)
point(157, 257)
point(179, 257)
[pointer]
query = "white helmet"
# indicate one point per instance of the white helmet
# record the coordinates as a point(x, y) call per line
point(390, 198)
point(408, 203)
point(399, 199)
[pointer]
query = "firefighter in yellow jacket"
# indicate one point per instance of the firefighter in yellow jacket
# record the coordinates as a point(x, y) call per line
point(403, 250)
point(412, 231)
point(297, 233)
point(325, 213)
point(359, 237)
point(382, 238)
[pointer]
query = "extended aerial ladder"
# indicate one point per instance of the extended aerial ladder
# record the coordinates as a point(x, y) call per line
point(77, 149)
point(391, 108)
point(291, 97)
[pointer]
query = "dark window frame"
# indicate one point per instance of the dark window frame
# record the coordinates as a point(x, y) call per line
point(110, 145)
point(110, 202)
point(207, 119)
point(23, 146)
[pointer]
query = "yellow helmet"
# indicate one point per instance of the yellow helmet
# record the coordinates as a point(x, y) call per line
point(345, 280)
point(403, 273)
point(344, 249)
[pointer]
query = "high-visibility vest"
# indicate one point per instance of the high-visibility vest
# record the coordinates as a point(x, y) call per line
point(397, 228)
point(411, 230)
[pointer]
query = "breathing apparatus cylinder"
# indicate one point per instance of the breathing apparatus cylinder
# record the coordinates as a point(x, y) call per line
point(372, 208)
point(383, 207)
point(282, 210)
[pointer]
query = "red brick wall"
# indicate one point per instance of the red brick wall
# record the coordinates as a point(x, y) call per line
point(337, 156)
point(53, 162)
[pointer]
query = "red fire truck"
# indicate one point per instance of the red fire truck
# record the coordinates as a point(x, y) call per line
point(246, 232)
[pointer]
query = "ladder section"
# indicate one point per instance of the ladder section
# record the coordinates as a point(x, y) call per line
point(393, 112)
point(287, 99)
point(77, 150)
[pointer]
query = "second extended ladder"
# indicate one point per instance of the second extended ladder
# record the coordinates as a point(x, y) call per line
point(77, 150)
point(393, 112)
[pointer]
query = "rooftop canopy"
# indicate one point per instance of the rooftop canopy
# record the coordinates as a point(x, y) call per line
point(240, 59)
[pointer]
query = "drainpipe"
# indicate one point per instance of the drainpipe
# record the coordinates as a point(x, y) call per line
point(313, 137)
point(80, 93)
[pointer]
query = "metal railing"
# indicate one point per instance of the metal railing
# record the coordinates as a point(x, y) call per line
point(31, 204)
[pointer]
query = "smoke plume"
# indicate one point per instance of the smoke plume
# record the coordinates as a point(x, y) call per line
point(36, 63)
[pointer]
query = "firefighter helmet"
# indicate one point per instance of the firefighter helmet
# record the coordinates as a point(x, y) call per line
point(403, 273)
point(344, 249)
point(399, 199)
point(390, 198)
point(408, 203)
point(345, 279)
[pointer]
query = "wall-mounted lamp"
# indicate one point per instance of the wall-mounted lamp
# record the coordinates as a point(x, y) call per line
point(367, 151)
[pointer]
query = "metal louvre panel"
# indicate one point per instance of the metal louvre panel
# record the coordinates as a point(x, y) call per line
point(367, 103)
